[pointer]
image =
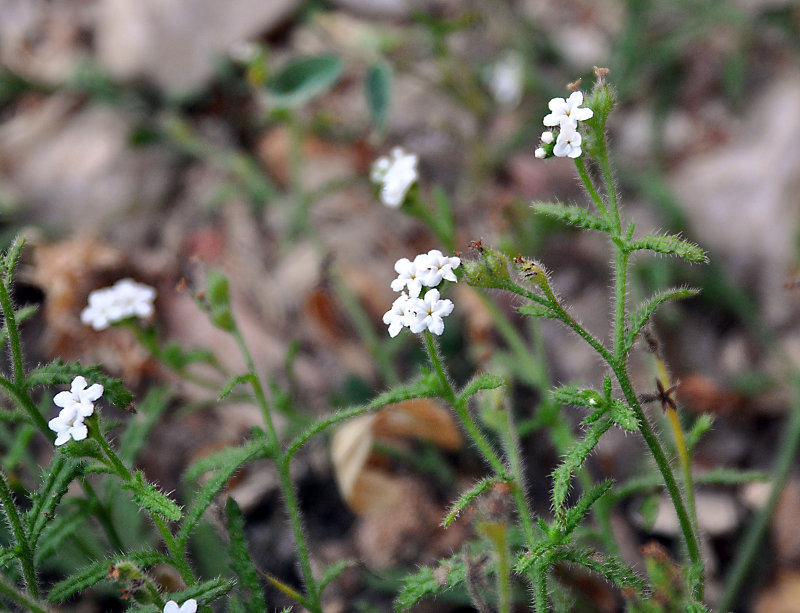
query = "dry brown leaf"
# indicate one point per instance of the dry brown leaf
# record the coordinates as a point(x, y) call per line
point(783, 596)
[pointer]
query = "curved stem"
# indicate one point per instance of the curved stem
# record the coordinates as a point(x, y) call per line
point(20, 536)
point(587, 182)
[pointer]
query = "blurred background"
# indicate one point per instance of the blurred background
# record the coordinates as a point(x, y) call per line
point(159, 139)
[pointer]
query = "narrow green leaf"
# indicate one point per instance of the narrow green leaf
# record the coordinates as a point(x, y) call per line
point(671, 245)
point(716, 476)
point(576, 456)
point(230, 456)
point(206, 592)
point(237, 380)
point(241, 563)
point(642, 315)
point(57, 372)
point(334, 570)
point(576, 514)
point(20, 315)
point(573, 394)
point(701, 425)
point(609, 567)
point(303, 78)
point(483, 381)
point(573, 215)
point(428, 581)
point(11, 257)
point(533, 556)
point(467, 497)
point(214, 485)
point(97, 571)
point(377, 89)
point(62, 527)
point(147, 496)
point(534, 309)
point(178, 359)
point(624, 416)
point(55, 482)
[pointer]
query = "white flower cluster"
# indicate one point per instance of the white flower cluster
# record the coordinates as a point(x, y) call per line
point(190, 606)
point(424, 312)
point(395, 175)
point(124, 299)
point(75, 404)
point(565, 115)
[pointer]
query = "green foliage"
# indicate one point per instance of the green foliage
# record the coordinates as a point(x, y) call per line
point(624, 416)
point(237, 380)
point(10, 259)
point(138, 428)
point(332, 571)
point(241, 563)
point(610, 567)
point(570, 214)
point(205, 592)
point(20, 315)
point(640, 317)
point(429, 581)
point(230, 456)
point(467, 497)
point(302, 79)
point(573, 394)
point(483, 381)
point(97, 571)
point(377, 89)
point(534, 309)
point(575, 458)
point(59, 372)
point(670, 245)
point(576, 514)
point(148, 497)
point(55, 481)
point(218, 300)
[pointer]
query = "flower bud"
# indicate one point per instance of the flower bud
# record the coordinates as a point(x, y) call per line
point(490, 271)
point(601, 99)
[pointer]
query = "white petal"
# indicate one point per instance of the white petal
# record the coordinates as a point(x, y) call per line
point(63, 399)
point(79, 431)
point(436, 325)
point(62, 438)
point(93, 393)
point(78, 384)
point(171, 607)
point(190, 606)
point(575, 99)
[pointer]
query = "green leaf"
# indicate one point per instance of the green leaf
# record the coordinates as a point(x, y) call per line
point(230, 456)
point(97, 571)
point(11, 258)
point(428, 581)
point(334, 570)
point(206, 592)
point(575, 458)
point(62, 527)
point(207, 493)
point(147, 496)
point(573, 215)
point(55, 482)
point(573, 394)
point(576, 514)
point(20, 315)
point(671, 245)
point(174, 356)
point(701, 425)
point(624, 416)
point(483, 381)
point(467, 497)
point(642, 315)
point(303, 78)
point(218, 298)
point(241, 563)
point(58, 372)
point(534, 309)
point(237, 380)
point(609, 567)
point(377, 88)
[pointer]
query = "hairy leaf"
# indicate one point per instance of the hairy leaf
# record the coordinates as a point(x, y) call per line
point(641, 316)
point(573, 394)
point(229, 456)
point(483, 381)
point(56, 531)
point(56, 479)
point(97, 571)
point(138, 428)
point(241, 563)
point(624, 416)
point(609, 567)
point(58, 372)
point(573, 215)
point(147, 496)
point(205, 592)
point(534, 309)
point(576, 514)
point(467, 497)
point(576, 456)
point(334, 570)
point(237, 380)
point(428, 581)
point(671, 245)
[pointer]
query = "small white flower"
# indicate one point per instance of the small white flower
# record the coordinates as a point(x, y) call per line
point(439, 267)
point(399, 316)
point(124, 299)
point(567, 112)
point(75, 405)
point(540, 153)
point(395, 174)
point(547, 137)
point(429, 311)
point(505, 79)
point(568, 144)
point(190, 606)
point(410, 274)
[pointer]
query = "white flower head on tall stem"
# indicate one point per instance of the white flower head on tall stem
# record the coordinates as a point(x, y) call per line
point(440, 267)
point(395, 175)
point(429, 312)
point(75, 404)
point(190, 606)
point(399, 316)
point(568, 144)
point(126, 298)
point(566, 113)
point(410, 274)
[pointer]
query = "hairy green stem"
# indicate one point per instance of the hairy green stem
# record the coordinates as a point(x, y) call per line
point(13, 594)
point(587, 182)
point(21, 398)
point(754, 537)
point(13, 334)
point(20, 536)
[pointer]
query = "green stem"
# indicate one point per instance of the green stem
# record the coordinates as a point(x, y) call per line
point(620, 302)
point(282, 461)
point(12, 593)
point(177, 553)
point(103, 515)
point(754, 537)
point(612, 192)
point(587, 182)
point(21, 398)
point(540, 587)
point(13, 333)
point(25, 554)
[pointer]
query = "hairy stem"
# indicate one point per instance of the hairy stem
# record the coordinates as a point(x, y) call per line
point(25, 554)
